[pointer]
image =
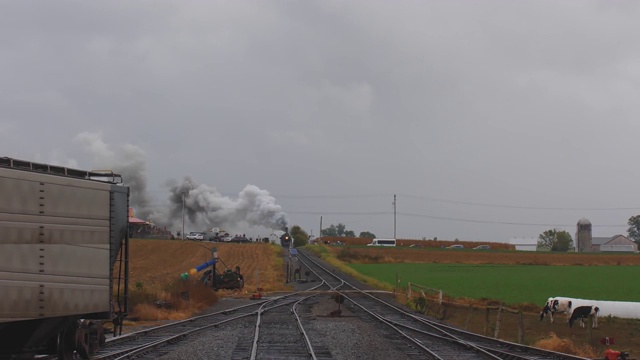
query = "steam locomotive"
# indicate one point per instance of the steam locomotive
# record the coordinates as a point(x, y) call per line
point(285, 240)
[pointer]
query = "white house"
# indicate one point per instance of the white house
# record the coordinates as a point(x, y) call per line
point(524, 243)
point(619, 243)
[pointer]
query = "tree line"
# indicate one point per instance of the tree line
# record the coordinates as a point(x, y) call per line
point(552, 239)
point(341, 230)
point(301, 237)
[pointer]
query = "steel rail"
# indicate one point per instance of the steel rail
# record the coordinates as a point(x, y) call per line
point(144, 348)
point(137, 334)
point(307, 341)
point(376, 316)
point(443, 329)
point(390, 324)
point(500, 354)
point(150, 346)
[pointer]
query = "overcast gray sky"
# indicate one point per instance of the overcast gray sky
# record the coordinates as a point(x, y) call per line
point(488, 119)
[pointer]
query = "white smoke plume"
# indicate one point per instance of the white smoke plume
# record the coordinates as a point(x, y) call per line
point(127, 160)
point(204, 206)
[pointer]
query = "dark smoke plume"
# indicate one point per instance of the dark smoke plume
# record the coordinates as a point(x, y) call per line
point(204, 206)
point(127, 160)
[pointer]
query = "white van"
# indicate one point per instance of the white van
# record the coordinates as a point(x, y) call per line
point(383, 242)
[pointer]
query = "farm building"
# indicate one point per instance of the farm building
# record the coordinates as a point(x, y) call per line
point(585, 242)
point(583, 236)
point(141, 229)
point(524, 243)
point(613, 243)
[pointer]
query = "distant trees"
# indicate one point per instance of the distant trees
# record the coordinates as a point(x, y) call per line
point(334, 230)
point(341, 231)
point(367, 235)
point(634, 228)
point(563, 243)
point(556, 240)
point(300, 237)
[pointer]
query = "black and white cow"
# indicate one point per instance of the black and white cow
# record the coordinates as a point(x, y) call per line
point(583, 312)
point(553, 306)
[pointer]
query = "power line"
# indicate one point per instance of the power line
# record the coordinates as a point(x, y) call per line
point(352, 196)
point(516, 206)
point(440, 200)
point(357, 213)
point(498, 222)
point(426, 216)
point(470, 203)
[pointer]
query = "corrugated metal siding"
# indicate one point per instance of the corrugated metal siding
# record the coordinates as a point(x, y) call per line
point(54, 245)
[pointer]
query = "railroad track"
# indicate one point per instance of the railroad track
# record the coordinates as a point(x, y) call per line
point(157, 340)
point(423, 337)
point(279, 331)
point(279, 327)
point(284, 336)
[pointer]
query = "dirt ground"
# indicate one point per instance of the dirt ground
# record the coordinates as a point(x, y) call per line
point(156, 263)
point(585, 341)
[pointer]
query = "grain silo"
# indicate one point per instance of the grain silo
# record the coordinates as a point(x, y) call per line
point(583, 235)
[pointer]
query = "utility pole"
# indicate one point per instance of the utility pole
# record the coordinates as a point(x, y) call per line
point(320, 233)
point(214, 255)
point(394, 216)
point(183, 216)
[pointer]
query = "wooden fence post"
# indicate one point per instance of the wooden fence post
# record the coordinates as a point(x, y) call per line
point(466, 323)
point(395, 286)
point(520, 327)
point(486, 322)
point(498, 321)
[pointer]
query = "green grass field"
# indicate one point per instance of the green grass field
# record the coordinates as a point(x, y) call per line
point(514, 284)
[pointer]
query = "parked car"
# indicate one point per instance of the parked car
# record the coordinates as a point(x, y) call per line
point(218, 237)
point(194, 235)
point(456, 246)
point(482, 247)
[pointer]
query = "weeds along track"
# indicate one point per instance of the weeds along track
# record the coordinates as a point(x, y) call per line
point(278, 331)
point(422, 337)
